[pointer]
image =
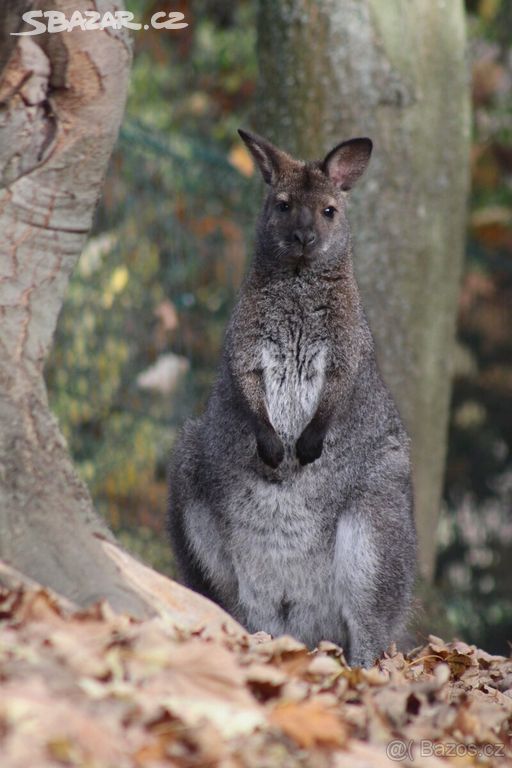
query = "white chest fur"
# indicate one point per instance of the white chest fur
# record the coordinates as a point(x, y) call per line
point(293, 377)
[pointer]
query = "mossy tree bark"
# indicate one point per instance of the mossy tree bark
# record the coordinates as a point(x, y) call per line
point(62, 98)
point(394, 71)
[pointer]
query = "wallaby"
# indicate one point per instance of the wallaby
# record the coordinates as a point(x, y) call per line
point(290, 498)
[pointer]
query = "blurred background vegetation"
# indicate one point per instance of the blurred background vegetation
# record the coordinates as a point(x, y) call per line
point(140, 333)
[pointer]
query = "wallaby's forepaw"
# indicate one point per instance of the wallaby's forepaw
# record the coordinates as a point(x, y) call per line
point(309, 446)
point(270, 449)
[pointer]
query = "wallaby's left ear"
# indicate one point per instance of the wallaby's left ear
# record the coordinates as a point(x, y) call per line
point(347, 162)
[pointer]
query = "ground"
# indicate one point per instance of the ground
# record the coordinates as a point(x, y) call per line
point(101, 690)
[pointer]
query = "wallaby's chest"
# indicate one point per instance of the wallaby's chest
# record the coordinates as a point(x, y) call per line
point(293, 362)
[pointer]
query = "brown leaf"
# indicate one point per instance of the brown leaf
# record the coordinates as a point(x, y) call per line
point(489, 76)
point(324, 666)
point(309, 724)
point(492, 226)
point(287, 653)
point(265, 681)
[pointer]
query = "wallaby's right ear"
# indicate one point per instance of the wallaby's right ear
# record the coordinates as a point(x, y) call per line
point(269, 159)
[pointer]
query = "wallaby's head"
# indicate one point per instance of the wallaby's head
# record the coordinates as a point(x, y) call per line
point(304, 220)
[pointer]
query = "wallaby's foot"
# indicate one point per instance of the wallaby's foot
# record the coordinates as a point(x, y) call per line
point(309, 445)
point(270, 448)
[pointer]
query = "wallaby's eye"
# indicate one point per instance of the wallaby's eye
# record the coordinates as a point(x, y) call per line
point(283, 206)
point(329, 212)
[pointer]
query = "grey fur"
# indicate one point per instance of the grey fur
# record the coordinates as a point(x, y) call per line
point(290, 497)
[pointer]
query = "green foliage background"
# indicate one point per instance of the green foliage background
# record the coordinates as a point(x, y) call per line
point(167, 254)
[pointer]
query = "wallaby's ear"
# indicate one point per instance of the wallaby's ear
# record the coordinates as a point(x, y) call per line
point(269, 159)
point(347, 162)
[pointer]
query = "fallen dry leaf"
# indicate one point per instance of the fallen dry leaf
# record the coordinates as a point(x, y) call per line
point(98, 689)
point(309, 723)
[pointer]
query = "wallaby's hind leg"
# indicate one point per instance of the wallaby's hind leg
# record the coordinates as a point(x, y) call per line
point(196, 534)
point(374, 575)
point(369, 636)
point(189, 569)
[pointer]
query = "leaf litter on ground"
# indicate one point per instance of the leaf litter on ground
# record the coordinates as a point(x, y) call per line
point(100, 690)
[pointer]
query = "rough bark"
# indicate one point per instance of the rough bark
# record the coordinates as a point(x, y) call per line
point(394, 71)
point(62, 98)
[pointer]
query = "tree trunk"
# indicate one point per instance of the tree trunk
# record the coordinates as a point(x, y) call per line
point(62, 97)
point(394, 71)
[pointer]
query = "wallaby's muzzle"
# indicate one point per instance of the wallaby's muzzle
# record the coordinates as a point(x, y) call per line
point(306, 237)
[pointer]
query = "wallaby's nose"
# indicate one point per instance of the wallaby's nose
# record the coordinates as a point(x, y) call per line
point(304, 237)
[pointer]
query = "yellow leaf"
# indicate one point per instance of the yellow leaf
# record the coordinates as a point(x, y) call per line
point(488, 9)
point(240, 158)
point(119, 279)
